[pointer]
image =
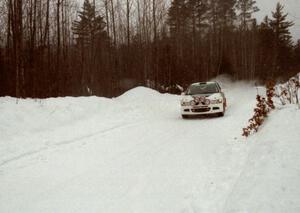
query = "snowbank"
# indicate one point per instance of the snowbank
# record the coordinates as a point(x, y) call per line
point(134, 153)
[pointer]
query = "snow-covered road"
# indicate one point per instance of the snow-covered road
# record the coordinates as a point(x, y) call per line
point(134, 154)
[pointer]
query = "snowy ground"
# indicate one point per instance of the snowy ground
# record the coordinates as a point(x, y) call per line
point(134, 154)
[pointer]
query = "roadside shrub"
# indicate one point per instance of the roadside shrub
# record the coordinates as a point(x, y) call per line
point(263, 107)
point(270, 94)
point(287, 93)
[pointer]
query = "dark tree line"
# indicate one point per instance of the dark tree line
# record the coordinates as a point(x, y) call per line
point(56, 48)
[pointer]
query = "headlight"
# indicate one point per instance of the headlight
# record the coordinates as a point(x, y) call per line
point(184, 103)
point(217, 101)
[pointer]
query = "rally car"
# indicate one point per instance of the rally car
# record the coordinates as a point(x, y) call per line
point(203, 98)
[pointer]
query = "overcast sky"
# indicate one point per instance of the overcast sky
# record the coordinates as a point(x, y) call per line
point(291, 6)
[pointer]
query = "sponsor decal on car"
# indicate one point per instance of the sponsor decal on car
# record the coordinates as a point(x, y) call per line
point(200, 100)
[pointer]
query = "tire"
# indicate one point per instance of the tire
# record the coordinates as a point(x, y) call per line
point(185, 116)
point(221, 114)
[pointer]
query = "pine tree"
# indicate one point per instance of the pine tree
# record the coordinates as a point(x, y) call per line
point(198, 13)
point(197, 28)
point(297, 54)
point(221, 18)
point(247, 36)
point(246, 8)
point(91, 39)
point(90, 26)
point(265, 49)
point(178, 17)
point(225, 12)
point(282, 40)
point(178, 21)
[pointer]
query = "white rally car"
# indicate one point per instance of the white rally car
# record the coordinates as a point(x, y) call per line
point(203, 98)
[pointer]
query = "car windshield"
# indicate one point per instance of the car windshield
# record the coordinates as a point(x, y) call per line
point(196, 89)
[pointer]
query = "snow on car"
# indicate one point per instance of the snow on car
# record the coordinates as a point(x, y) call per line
point(203, 98)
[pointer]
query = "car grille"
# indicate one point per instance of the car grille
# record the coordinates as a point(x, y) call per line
point(201, 110)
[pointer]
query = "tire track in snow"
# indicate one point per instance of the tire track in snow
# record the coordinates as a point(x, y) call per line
point(148, 152)
point(63, 143)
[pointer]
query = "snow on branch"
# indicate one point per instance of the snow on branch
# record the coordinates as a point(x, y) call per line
point(288, 93)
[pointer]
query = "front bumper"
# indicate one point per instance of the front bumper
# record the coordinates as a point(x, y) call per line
point(202, 110)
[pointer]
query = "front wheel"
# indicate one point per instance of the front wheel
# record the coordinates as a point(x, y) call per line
point(221, 114)
point(185, 116)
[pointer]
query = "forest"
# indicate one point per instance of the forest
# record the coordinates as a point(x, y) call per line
point(54, 48)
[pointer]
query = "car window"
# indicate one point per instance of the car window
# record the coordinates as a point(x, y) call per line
point(202, 89)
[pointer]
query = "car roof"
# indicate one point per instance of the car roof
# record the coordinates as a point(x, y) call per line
point(201, 83)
